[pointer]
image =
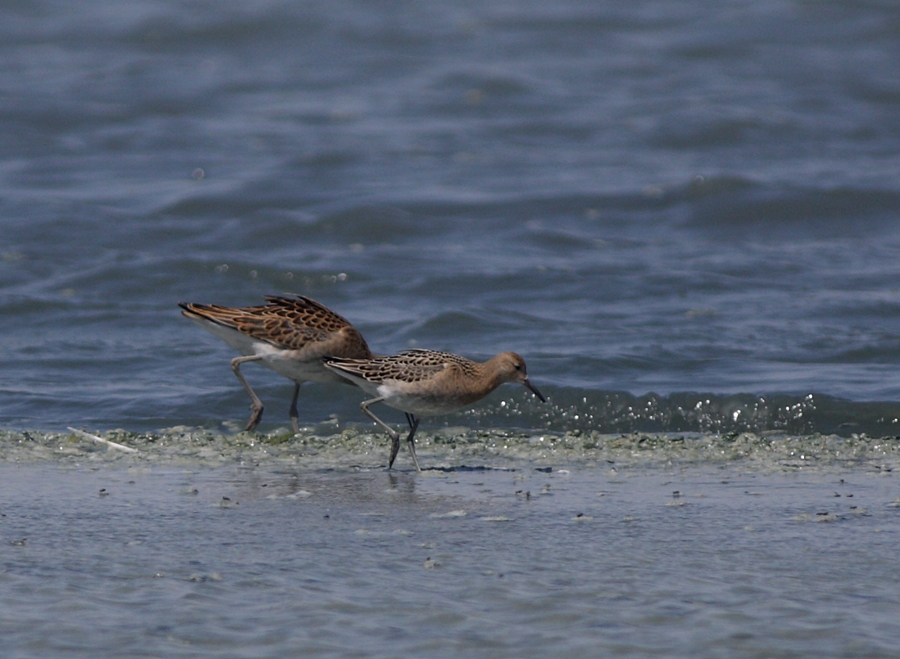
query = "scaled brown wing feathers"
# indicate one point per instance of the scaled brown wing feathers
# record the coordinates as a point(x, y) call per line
point(286, 322)
point(407, 366)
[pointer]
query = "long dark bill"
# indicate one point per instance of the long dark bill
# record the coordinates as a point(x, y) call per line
point(534, 390)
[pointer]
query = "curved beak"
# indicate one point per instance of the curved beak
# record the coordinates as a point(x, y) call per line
point(534, 390)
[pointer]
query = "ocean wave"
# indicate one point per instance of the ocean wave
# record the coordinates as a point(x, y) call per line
point(581, 410)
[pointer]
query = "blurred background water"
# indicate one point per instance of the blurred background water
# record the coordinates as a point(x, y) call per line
point(682, 214)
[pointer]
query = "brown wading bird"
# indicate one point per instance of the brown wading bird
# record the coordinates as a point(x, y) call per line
point(292, 336)
point(427, 383)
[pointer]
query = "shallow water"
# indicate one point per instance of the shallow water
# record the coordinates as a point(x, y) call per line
point(267, 561)
point(682, 215)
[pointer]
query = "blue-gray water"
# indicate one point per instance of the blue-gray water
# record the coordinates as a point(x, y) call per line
point(684, 215)
point(262, 562)
point(652, 197)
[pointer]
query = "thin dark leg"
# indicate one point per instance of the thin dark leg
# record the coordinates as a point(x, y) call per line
point(394, 435)
point(256, 406)
point(410, 441)
point(295, 424)
point(395, 447)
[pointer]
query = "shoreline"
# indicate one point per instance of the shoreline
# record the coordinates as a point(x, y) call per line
point(453, 449)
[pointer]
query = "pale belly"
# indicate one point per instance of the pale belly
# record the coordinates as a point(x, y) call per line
point(299, 371)
point(283, 362)
point(419, 404)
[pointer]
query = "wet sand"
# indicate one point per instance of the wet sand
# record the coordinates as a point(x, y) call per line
point(333, 446)
point(244, 546)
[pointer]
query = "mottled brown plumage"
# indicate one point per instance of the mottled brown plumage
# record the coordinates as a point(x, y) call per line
point(292, 336)
point(408, 366)
point(427, 383)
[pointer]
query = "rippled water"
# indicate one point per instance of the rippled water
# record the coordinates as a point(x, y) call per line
point(682, 214)
point(267, 562)
point(641, 198)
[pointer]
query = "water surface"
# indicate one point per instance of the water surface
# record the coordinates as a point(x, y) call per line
point(682, 214)
point(248, 561)
point(647, 198)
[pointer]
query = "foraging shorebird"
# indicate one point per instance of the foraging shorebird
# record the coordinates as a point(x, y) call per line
point(427, 383)
point(291, 336)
